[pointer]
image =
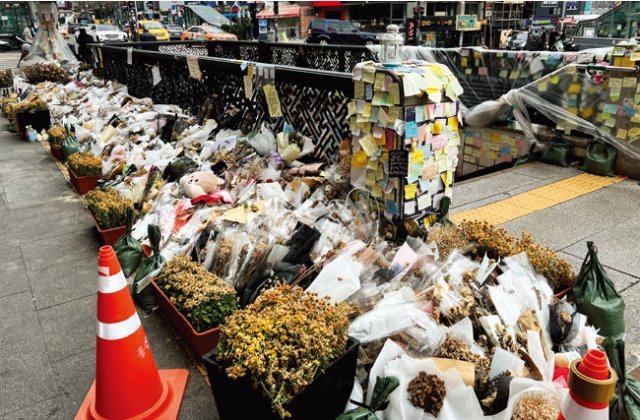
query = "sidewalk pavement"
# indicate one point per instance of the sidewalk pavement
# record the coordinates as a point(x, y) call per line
point(48, 280)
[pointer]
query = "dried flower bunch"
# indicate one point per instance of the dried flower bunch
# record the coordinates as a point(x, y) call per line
point(57, 134)
point(452, 348)
point(427, 392)
point(201, 296)
point(31, 106)
point(282, 341)
point(109, 207)
point(45, 72)
point(448, 238)
point(85, 164)
point(497, 243)
point(534, 408)
point(6, 78)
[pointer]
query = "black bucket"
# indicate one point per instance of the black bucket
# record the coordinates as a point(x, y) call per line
point(324, 399)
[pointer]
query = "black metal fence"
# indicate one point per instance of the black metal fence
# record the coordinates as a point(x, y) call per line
point(312, 101)
point(340, 58)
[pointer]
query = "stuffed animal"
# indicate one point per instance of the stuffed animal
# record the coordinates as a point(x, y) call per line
point(200, 183)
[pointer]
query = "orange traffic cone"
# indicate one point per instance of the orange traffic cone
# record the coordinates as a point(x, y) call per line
point(591, 386)
point(128, 385)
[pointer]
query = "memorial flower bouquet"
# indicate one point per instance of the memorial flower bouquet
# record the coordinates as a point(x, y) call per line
point(45, 72)
point(108, 207)
point(282, 341)
point(6, 78)
point(57, 134)
point(198, 294)
point(85, 164)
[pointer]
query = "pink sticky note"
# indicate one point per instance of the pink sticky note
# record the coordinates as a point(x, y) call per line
point(432, 111)
point(422, 132)
point(439, 141)
point(482, 71)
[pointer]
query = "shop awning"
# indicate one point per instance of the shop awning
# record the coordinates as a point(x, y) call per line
point(286, 11)
point(209, 15)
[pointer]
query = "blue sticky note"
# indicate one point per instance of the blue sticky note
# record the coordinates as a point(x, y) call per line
point(420, 114)
point(628, 110)
point(393, 207)
point(368, 92)
point(426, 150)
point(375, 110)
point(424, 186)
point(611, 108)
point(411, 129)
point(505, 150)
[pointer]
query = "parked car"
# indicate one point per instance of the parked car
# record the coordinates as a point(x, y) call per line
point(333, 31)
point(156, 28)
point(207, 33)
point(518, 41)
point(106, 33)
point(175, 31)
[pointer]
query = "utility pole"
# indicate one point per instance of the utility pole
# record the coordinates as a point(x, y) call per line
point(276, 12)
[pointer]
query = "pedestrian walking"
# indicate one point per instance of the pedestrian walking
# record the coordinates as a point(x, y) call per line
point(84, 52)
point(147, 36)
point(27, 34)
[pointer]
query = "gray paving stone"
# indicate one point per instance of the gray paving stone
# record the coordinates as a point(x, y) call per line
point(13, 274)
point(62, 268)
point(617, 247)
point(69, 328)
point(7, 227)
point(47, 221)
point(26, 376)
point(621, 280)
point(609, 206)
point(545, 171)
point(49, 409)
point(488, 186)
point(631, 298)
point(553, 228)
point(31, 190)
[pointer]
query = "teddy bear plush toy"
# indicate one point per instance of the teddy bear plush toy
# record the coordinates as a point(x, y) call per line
point(200, 183)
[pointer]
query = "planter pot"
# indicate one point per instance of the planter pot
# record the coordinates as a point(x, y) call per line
point(109, 236)
point(39, 120)
point(325, 398)
point(200, 342)
point(82, 184)
point(56, 151)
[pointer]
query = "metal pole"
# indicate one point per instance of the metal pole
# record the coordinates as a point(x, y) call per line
point(276, 12)
point(461, 32)
point(564, 11)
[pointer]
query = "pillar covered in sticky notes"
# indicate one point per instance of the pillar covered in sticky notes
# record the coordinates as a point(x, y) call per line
point(405, 124)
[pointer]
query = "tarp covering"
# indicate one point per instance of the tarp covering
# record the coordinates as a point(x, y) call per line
point(209, 15)
point(49, 43)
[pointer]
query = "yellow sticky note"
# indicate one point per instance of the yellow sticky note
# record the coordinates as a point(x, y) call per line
point(250, 72)
point(629, 82)
point(372, 164)
point(417, 156)
point(379, 81)
point(542, 85)
point(368, 74)
point(453, 123)
point(273, 100)
point(382, 140)
point(436, 128)
point(367, 110)
point(379, 172)
point(463, 62)
point(394, 93)
point(410, 191)
point(368, 145)
point(394, 113)
point(351, 106)
point(574, 88)
point(621, 134)
point(376, 191)
point(467, 71)
point(554, 79)
point(359, 159)
point(358, 89)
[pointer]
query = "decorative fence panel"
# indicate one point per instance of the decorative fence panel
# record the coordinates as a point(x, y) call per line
point(312, 101)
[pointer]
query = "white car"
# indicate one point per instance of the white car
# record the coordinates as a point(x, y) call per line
point(106, 33)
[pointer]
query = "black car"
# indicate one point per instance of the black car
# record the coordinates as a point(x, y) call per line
point(333, 31)
point(175, 31)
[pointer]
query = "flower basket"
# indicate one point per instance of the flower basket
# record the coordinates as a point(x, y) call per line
point(325, 398)
point(82, 184)
point(108, 236)
point(56, 151)
point(200, 342)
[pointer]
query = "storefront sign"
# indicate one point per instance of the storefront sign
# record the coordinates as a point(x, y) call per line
point(467, 23)
point(441, 21)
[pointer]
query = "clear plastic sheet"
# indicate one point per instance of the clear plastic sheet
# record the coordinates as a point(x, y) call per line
point(49, 44)
point(596, 102)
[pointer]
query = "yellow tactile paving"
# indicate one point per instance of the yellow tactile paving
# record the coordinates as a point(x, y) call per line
point(537, 199)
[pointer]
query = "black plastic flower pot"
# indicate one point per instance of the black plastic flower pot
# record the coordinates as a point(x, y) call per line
point(324, 399)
